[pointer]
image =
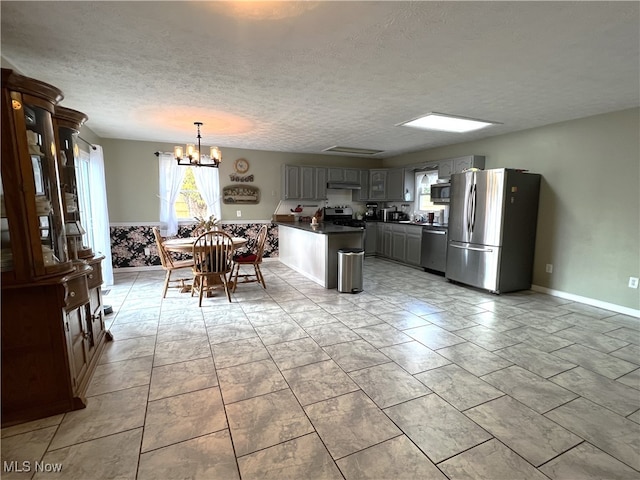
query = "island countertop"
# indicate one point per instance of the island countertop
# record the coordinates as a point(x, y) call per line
point(323, 228)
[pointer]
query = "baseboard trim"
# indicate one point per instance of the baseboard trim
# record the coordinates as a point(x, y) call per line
point(589, 301)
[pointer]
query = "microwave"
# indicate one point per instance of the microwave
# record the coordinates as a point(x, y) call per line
point(441, 192)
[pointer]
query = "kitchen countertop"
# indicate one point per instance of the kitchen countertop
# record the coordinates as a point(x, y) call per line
point(323, 228)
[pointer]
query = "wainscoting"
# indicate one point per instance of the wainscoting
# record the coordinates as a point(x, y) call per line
point(128, 243)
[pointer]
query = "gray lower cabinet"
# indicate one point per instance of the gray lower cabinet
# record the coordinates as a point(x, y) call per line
point(371, 240)
point(414, 244)
point(399, 243)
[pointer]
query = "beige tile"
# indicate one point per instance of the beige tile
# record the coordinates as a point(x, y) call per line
point(112, 457)
point(104, 415)
point(110, 377)
point(437, 428)
point(183, 377)
point(349, 423)
point(119, 350)
point(209, 457)
point(388, 384)
point(265, 421)
point(490, 461)
point(30, 426)
point(318, 381)
point(181, 351)
point(174, 419)
point(250, 380)
point(586, 462)
point(20, 453)
point(303, 457)
point(397, 459)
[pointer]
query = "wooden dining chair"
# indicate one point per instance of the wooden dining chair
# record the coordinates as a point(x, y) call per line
point(212, 262)
point(251, 259)
point(169, 264)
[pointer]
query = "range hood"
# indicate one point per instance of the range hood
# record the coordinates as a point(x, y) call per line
point(344, 185)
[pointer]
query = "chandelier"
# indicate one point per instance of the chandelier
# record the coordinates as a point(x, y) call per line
point(192, 156)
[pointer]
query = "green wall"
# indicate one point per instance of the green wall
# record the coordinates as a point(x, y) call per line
point(589, 215)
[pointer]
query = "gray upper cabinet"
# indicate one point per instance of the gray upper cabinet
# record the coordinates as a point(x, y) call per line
point(352, 175)
point(290, 182)
point(457, 165)
point(395, 184)
point(347, 175)
point(378, 184)
point(307, 183)
point(321, 183)
point(362, 195)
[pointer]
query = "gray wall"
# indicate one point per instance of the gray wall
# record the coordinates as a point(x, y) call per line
point(589, 216)
point(131, 171)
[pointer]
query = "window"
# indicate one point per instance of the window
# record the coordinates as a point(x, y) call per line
point(423, 191)
point(189, 203)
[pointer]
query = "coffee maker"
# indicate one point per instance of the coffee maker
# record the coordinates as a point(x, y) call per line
point(372, 212)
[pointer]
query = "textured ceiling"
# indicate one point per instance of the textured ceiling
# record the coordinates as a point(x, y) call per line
point(305, 76)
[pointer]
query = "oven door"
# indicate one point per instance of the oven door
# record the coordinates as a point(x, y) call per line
point(440, 192)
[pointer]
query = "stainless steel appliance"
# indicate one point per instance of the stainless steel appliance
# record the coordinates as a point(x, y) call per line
point(433, 254)
point(492, 229)
point(387, 213)
point(342, 216)
point(440, 193)
point(372, 211)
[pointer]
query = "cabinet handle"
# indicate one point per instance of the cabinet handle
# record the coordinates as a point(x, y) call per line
point(72, 294)
point(91, 275)
point(86, 335)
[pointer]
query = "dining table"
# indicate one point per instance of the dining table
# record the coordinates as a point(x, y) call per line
point(185, 245)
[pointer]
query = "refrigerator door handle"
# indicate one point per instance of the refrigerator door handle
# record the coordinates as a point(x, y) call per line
point(469, 207)
point(473, 207)
point(475, 249)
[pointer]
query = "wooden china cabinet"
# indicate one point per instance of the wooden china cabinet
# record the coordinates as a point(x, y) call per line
point(52, 322)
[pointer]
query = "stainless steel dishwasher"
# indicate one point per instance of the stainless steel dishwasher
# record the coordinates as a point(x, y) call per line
point(434, 247)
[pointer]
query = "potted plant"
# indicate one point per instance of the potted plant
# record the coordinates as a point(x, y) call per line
point(204, 225)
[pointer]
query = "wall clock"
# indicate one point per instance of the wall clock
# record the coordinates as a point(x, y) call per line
point(241, 165)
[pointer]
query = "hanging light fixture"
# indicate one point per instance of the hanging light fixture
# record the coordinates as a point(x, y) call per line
point(192, 156)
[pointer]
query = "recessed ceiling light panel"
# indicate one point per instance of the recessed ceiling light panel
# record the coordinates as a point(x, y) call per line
point(447, 123)
point(352, 150)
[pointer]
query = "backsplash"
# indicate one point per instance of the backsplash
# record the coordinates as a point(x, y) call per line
point(128, 243)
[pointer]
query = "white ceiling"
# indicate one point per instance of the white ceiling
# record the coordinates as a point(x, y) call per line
point(305, 76)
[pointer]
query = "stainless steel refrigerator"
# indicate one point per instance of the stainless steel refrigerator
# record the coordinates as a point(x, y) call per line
point(492, 229)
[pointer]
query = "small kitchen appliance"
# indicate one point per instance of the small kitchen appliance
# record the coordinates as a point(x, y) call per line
point(372, 211)
point(387, 213)
point(441, 193)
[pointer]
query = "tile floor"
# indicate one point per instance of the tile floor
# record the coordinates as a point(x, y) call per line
point(413, 378)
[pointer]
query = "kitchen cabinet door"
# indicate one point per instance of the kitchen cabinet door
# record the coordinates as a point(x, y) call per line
point(321, 183)
point(414, 245)
point(370, 240)
point(290, 182)
point(335, 174)
point(307, 183)
point(445, 168)
point(377, 184)
point(399, 243)
point(379, 238)
point(351, 175)
point(395, 184)
point(460, 164)
point(387, 244)
point(362, 195)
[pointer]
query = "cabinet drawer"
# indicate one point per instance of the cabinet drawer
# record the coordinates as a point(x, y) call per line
point(77, 292)
point(94, 279)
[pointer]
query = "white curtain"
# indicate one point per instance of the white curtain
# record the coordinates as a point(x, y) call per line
point(208, 183)
point(99, 212)
point(171, 175)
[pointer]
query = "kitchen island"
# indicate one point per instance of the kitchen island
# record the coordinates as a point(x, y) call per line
point(313, 250)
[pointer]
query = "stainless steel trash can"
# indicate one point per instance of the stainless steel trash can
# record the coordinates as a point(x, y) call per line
point(350, 262)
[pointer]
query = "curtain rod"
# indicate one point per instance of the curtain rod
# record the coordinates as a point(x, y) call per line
point(93, 147)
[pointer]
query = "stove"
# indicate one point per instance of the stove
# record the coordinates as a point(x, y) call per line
point(342, 216)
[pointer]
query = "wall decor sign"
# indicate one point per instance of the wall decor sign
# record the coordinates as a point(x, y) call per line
point(239, 178)
point(241, 194)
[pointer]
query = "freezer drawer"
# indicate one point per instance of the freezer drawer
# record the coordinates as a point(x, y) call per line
point(476, 265)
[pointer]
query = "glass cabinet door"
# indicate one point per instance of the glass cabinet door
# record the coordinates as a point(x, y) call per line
point(34, 243)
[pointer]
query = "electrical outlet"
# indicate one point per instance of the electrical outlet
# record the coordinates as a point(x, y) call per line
point(147, 251)
point(549, 268)
point(633, 282)
point(238, 213)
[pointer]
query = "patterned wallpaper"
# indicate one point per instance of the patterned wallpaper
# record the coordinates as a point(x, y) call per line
point(128, 243)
